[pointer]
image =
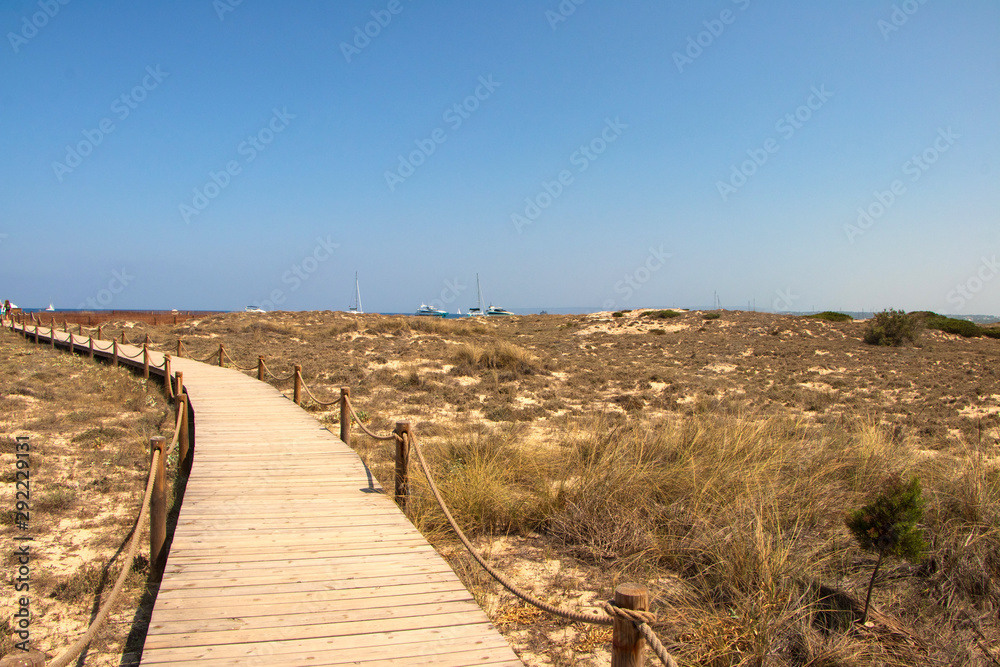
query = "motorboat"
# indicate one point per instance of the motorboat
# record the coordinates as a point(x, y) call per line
point(430, 311)
point(251, 309)
point(497, 310)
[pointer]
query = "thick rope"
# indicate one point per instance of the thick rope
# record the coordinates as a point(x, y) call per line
point(67, 656)
point(268, 371)
point(391, 436)
point(313, 397)
point(126, 356)
point(234, 364)
point(214, 355)
point(639, 618)
point(527, 597)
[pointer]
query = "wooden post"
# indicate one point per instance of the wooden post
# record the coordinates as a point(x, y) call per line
point(79, 328)
point(91, 355)
point(402, 463)
point(145, 361)
point(298, 385)
point(628, 647)
point(52, 334)
point(71, 342)
point(146, 339)
point(179, 389)
point(100, 331)
point(345, 415)
point(184, 439)
point(114, 356)
point(36, 333)
point(65, 326)
point(222, 355)
point(179, 348)
point(158, 508)
point(123, 336)
point(260, 367)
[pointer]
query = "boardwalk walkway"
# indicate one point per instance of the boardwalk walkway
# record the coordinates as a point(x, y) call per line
point(285, 553)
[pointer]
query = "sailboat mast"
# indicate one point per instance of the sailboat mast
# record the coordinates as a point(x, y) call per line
point(357, 290)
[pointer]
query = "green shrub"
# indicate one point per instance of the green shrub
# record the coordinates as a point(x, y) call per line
point(618, 314)
point(831, 316)
point(951, 325)
point(892, 327)
point(661, 314)
point(658, 332)
point(991, 332)
point(711, 316)
point(888, 525)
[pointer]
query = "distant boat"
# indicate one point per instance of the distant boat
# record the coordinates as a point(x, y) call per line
point(355, 306)
point(477, 311)
point(50, 309)
point(250, 309)
point(430, 311)
point(497, 310)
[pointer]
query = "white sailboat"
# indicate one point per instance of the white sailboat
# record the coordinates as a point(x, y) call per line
point(356, 304)
point(477, 311)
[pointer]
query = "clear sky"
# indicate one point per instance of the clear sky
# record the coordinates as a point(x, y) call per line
point(791, 155)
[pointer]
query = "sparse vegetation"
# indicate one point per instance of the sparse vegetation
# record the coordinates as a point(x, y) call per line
point(831, 316)
point(711, 316)
point(892, 328)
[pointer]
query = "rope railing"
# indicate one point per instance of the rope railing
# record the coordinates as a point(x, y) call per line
point(278, 379)
point(357, 420)
point(316, 400)
point(234, 364)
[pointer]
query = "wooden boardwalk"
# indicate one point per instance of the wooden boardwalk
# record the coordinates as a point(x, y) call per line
point(286, 553)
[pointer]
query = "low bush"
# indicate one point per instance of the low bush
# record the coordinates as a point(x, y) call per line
point(711, 316)
point(661, 314)
point(892, 328)
point(951, 325)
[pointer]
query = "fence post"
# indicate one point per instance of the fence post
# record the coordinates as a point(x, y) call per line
point(36, 333)
point(298, 384)
point(65, 326)
point(179, 389)
point(402, 463)
point(179, 347)
point(114, 357)
point(145, 360)
point(52, 335)
point(628, 648)
point(146, 339)
point(157, 507)
point(345, 415)
point(222, 355)
point(184, 439)
point(79, 328)
point(100, 331)
point(123, 336)
point(260, 367)
point(71, 342)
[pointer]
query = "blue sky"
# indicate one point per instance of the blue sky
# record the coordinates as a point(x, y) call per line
point(209, 155)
